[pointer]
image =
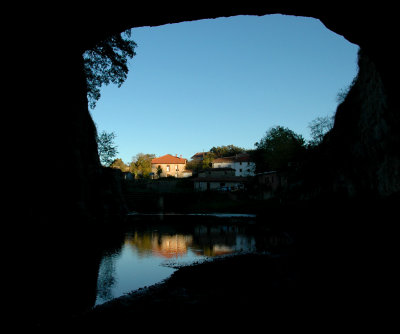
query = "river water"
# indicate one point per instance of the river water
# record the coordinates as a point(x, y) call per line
point(64, 270)
point(153, 246)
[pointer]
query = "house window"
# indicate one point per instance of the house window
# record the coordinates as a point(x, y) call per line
point(167, 168)
point(176, 167)
point(240, 170)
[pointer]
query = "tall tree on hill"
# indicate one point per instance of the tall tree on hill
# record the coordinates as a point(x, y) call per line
point(279, 148)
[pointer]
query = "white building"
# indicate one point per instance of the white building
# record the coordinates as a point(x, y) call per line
point(220, 179)
point(240, 163)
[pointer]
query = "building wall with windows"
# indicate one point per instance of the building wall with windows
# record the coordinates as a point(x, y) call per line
point(240, 163)
point(170, 165)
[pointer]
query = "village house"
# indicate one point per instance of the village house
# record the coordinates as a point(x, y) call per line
point(241, 163)
point(220, 179)
point(170, 166)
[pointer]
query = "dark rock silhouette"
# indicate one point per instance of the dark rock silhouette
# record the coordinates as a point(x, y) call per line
point(51, 134)
point(54, 132)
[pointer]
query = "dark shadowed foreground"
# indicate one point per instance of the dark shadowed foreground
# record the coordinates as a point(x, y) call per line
point(339, 272)
point(230, 291)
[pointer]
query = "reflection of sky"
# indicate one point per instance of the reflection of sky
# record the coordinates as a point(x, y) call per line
point(145, 258)
point(130, 272)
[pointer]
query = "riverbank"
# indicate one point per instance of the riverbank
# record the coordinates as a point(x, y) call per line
point(225, 291)
point(188, 201)
point(339, 263)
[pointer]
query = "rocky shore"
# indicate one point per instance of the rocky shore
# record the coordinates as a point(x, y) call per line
point(232, 290)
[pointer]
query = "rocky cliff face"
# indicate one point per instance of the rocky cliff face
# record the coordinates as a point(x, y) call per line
point(63, 182)
point(364, 144)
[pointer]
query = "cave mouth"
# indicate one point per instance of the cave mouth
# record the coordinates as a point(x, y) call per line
point(248, 72)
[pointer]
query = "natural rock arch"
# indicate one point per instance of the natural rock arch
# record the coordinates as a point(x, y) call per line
point(52, 136)
point(53, 116)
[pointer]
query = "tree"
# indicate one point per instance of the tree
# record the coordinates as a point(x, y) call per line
point(279, 148)
point(159, 171)
point(119, 164)
point(194, 165)
point(226, 151)
point(107, 62)
point(207, 161)
point(141, 165)
point(197, 165)
point(319, 127)
point(106, 148)
point(343, 92)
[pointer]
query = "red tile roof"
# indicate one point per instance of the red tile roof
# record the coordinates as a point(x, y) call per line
point(168, 159)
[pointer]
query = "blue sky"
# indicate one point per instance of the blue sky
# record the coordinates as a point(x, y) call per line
point(195, 85)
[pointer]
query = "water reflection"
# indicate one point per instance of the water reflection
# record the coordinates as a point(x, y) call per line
point(149, 251)
point(156, 244)
point(67, 271)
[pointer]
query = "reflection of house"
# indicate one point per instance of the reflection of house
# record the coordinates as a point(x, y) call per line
point(167, 246)
point(172, 246)
point(241, 163)
point(170, 165)
point(223, 179)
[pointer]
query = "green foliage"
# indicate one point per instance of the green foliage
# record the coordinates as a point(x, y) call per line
point(279, 148)
point(106, 148)
point(226, 151)
point(119, 164)
point(141, 165)
point(207, 161)
point(197, 165)
point(215, 152)
point(107, 63)
point(194, 165)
